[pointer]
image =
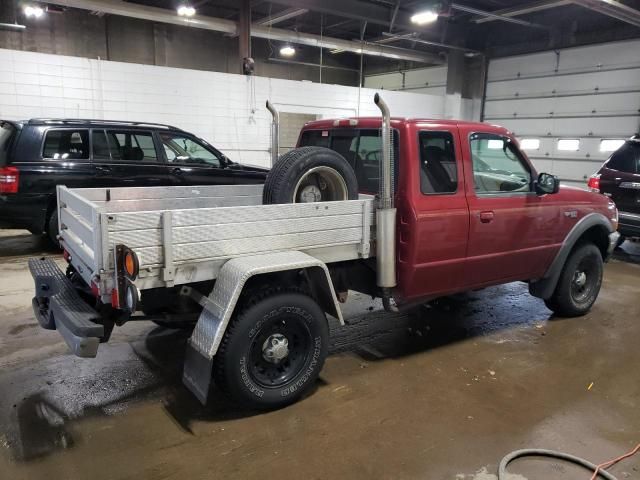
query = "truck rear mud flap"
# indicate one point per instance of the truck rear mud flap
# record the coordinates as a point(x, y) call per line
point(57, 305)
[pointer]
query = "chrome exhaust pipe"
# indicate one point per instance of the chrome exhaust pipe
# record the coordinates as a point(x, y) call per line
point(386, 213)
point(275, 133)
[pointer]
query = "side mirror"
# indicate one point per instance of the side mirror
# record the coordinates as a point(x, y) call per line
point(547, 184)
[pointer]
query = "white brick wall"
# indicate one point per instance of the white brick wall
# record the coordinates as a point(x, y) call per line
point(225, 109)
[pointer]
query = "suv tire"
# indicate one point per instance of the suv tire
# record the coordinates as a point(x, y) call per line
point(273, 349)
point(579, 282)
point(310, 174)
point(52, 228)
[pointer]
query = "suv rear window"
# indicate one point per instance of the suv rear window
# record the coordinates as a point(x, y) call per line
point(626, 158)
point(361, 148)
point(6, 136)
point(66, 144)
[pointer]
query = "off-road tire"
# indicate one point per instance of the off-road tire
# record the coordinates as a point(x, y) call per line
point(282, 179)
point(565, 301)
point(237, 362)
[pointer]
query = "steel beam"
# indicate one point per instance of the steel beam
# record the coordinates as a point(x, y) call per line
point(162, 15)
point(285, 14)
point(523, 10)
point(612, 8)
point(496, 16)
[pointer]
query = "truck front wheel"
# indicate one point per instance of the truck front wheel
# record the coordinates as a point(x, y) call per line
point(273, 349)
point(579, 283)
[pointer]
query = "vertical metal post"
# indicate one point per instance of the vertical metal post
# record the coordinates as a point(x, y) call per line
point(244, 35)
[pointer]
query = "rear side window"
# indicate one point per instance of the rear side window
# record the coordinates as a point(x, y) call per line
point(438, 169)
point(361, 148)
point(7, 131)
point(131, 146)
point(626, 158)
point(66, 144)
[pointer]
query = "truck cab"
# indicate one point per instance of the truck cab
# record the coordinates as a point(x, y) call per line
point(470, 210)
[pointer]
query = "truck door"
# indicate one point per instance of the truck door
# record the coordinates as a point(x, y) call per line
point(511, 229)
point(433, 215)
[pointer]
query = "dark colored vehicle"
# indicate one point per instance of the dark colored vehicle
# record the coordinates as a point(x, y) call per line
point(619, 179)
point(38, 154)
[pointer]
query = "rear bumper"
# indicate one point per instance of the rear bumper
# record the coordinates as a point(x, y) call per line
point(57, 305)
point(629, 224)
point(27, 211)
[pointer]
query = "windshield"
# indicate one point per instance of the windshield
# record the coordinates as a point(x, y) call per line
point(6, 135)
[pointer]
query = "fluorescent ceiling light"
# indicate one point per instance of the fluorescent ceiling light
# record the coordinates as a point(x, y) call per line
point(186, 11)
point(287, 51)
point(569, 145)
point(530, 144)
point(424, 17)
point(31, 11)
point(611, 144)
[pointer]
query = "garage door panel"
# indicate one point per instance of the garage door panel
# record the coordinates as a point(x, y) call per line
point(579, 83)
point(612, 127)
point(623, 104)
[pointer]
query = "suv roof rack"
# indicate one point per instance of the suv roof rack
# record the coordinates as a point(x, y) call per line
point(76, 121)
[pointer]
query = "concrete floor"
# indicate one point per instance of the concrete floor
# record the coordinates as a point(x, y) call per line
point(442, 393)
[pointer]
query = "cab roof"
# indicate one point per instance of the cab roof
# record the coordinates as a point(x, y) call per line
point(375, 122)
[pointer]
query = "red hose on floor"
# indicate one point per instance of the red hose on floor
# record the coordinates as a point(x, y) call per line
point(611, 463)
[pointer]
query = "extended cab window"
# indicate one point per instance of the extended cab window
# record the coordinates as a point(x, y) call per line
point(127, 146)
point(498, 166)
point(361, 148)
point(438, 169)
point(66, 144)
point(184, 149)
point(626, 158)
point(7, 132)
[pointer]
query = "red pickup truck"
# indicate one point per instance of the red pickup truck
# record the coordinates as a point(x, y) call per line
point(457, 207)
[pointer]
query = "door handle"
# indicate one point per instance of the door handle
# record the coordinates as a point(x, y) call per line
point(177, 171)
point(486, 217)
point(103, 169)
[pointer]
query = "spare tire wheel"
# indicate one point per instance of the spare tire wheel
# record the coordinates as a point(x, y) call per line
point(310, 174)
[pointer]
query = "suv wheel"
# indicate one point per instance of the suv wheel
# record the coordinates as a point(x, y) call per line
point(579, 282)
point(52, 228)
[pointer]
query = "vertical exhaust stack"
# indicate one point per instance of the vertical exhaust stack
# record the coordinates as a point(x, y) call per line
point(275, 133)
point(386, 213)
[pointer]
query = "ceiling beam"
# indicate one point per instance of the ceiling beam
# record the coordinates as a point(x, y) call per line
point(496, 16)
point(523, 10)
point(162, 15)
point(612, 8)
point(285, 14)
point(372, 13)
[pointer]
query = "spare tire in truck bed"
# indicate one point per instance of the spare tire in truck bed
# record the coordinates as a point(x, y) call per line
point(310, 174)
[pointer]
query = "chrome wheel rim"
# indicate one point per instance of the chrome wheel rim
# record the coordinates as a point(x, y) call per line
point(320, 184)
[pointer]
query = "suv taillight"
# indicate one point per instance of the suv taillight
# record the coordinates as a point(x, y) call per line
point(9, 177)
point(594, 183)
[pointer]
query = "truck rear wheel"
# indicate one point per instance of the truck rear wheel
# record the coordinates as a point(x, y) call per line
point(273, 349)
point(310, 174)
point(579, 283)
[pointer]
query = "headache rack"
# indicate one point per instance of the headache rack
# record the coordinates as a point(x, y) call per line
point(185, 234)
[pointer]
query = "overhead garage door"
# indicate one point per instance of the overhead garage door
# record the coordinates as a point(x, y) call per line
point(570, 108)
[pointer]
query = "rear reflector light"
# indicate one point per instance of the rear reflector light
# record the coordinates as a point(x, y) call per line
point(594, 183)
point(9, 177)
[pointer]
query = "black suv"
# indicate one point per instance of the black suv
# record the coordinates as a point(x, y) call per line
point(38, 154)
point(619, 178)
